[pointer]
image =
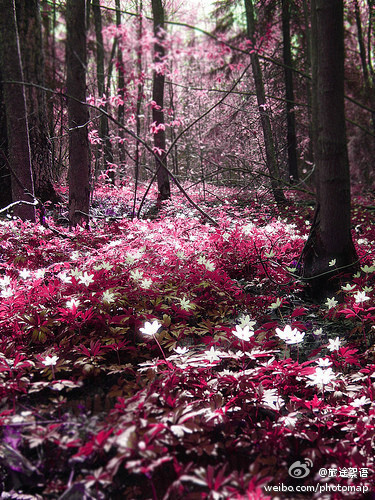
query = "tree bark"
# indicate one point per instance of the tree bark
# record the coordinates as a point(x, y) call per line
point(100, 76)
point(5, 181)
point(78, 116)
point(15, 109)
point(330, 237)
point(289, 93)
point(158, 98)
point(269, 145)
point(30, 36)
point(120, 85)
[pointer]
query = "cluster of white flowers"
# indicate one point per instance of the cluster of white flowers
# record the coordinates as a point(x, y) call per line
point(243, 333)
point(289, 335)
point(321, 377)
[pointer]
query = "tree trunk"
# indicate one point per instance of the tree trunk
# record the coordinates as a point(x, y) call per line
point(104, 127)
point(368, 82)
point(15, 109)
point(78, 116)
point(5, 182)
point(121, 85)
point(289, 93)
point(158, 98)
point(269, 145)
point(330, 237)
point(309, 157)
point(30, 36)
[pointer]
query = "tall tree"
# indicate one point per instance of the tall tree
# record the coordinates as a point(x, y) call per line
point(289, 93)
point(269, 145)
point(30, 36)
point(158, 97)
point(368, 73)
point(330, 236)
point(5, 181)
point(15, 109)
point(120, 85)
point(100, 76)
point(78, 116)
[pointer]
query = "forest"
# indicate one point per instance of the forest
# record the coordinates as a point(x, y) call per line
point(187, 197)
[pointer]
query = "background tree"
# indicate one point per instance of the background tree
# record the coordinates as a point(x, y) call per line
point(289, 92)
point(158, 98)
point(271, 159)
point(78, 116)
point(30, 36)
point(5, 182)
point(330, 238)
point(100, 75)
point(16, 117)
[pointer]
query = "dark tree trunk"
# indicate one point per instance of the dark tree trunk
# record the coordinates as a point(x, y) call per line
point(121, 85)
point(330, 236)
point(269, 145)
point(368, 81)
point(5, 181)
point(15, 109)
point(30, 35)
point(139, 95)
point(309, 157)
point(100, 76)
point(158, 98)
point(289, 94)
point(78, 116)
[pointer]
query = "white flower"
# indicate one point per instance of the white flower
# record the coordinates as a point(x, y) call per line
point(243, 333)
point(368, 269)
point(25, 274)
point(86, 279)
point(181, 350)
point(212, 355)
point(287, 333)
point(108, 297)
point(361, 297)
point(64, 277)
point(323, 362)
point(295, 338)
point(5, 282)
point(75, 255)
point(247, 321)
point(72, 303)
point(322, 377)
point(318, 332)
point(39, 274)
point(185, 304)
point(151, 328)
point(76, 273)
point(6, 293)
point(272, 399)
point(276, 304)
point(136, 275)
point(332, 262)
point(289, 421)
point(334, 345)
point(358, 402)
point(50, 360)
point(146, 283)
point(209, 265)
point(348, 287)
point(332, 302)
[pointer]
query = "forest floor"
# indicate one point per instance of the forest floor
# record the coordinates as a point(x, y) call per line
point(164, 357)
